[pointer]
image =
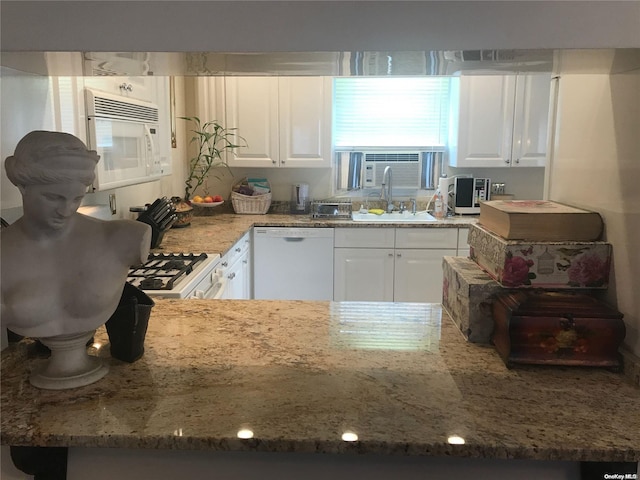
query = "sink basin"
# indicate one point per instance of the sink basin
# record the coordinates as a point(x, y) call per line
point(420, 217)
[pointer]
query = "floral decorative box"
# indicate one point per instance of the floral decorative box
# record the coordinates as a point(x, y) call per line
point(467, 295)
point(557, 328)
point(517, 263)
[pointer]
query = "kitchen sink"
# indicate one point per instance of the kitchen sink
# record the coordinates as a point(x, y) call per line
point(399, 217)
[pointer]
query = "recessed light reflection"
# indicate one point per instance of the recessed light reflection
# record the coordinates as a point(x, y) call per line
point(245, 433)
point(455, 440)
point(350, 437)
point(178, 432)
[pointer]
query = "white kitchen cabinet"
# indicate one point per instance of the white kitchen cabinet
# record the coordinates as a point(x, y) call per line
point(139, 87)
point(502, 121)
point(363, 274)
point(463, 243)
point(236, 269)
point(418, 262)
point(391, 264)
point(286, 121)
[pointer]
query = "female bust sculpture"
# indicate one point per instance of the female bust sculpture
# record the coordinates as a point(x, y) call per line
point(62, 272)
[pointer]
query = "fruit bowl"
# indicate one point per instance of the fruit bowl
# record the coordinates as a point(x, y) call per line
point(207, 204)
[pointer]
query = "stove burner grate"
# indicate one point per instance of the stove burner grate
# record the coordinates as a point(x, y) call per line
point(162, 271)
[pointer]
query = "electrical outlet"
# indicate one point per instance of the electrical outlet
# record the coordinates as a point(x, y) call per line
point(112, 203)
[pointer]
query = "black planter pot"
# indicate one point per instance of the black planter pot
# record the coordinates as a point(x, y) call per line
point(127, 327)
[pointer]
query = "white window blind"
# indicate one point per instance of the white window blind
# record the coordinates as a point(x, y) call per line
point(397, 112)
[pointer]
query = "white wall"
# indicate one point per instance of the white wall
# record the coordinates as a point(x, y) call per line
point(26, 106)
point(595, 165)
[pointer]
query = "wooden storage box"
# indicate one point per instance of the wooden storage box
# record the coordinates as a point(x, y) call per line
point(556, 265)
point(467, 293)
point(554, 328)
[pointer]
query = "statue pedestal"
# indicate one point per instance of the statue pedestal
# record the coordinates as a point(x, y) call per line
point(70, 365)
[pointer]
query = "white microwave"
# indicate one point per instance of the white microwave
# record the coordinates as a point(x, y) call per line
point(124, 132)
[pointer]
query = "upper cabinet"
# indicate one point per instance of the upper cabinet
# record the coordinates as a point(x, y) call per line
point(286, 121)
point(140, 88)
point(502, 121)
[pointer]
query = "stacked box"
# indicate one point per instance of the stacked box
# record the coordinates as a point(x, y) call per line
point(551, 265)
point(467, 294)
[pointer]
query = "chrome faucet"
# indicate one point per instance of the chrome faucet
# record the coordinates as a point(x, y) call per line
point(413, 205)
point(386, 182)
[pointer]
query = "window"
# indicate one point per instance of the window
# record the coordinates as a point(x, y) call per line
point(391, 112)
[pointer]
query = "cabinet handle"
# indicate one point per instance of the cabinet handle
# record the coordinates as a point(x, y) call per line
point(517, 160)
point(238, 249)
point(398, 255)
point(127, 87)
point(390, 254)
point(231, 276)
point(224, 264)
point(507, 161)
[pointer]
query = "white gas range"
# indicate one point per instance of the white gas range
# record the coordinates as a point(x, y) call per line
point(178, 275)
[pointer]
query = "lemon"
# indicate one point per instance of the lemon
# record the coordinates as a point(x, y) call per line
point(197, 199)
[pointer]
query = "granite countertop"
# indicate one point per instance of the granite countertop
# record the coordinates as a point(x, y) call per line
point(300, 374)
point(217, 232)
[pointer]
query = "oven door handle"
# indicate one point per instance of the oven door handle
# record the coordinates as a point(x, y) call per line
point(220, 285)
point(216, 289)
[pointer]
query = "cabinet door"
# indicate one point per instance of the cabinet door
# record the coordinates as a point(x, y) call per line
point(418, 275)
point(531, 120)
point(252, 108)
point(463, 243)
point(363, 274)
point(235, 282)
point(485, 121)
point(245, 275)
point(139, 87)
point(305, 121)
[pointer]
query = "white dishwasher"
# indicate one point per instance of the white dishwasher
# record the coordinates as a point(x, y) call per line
point(293, 263)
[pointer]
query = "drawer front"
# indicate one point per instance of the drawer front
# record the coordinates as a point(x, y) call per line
point(426, 238)
point(364, 237)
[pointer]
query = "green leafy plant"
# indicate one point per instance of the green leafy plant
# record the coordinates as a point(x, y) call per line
point(212, 141)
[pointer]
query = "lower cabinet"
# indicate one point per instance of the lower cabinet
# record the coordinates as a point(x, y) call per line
point(363, 274)
point(391, 264)
point(237, 270)
point(418, 275)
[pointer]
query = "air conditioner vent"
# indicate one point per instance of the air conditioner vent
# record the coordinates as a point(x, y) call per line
point(405, 166)
point(392, 157)
point(106, 107)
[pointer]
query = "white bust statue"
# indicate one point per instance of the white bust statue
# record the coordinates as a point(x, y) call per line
point(62, 272)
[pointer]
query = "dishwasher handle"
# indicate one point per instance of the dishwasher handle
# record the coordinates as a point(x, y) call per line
point(293, 239)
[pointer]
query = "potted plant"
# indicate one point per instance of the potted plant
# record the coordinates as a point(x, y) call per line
point(211, 141)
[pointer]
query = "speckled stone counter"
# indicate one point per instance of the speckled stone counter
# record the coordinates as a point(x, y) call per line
point(300, 374)
point(216, 233)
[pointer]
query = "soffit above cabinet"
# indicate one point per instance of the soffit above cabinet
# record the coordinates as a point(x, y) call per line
point(368, 63)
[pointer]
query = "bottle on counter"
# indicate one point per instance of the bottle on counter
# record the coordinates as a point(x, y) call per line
point(439, 207)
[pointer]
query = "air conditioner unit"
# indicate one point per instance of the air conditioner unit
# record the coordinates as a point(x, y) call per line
point(406, 168)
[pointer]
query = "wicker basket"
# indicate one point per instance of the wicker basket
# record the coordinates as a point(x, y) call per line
point(246, 204)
